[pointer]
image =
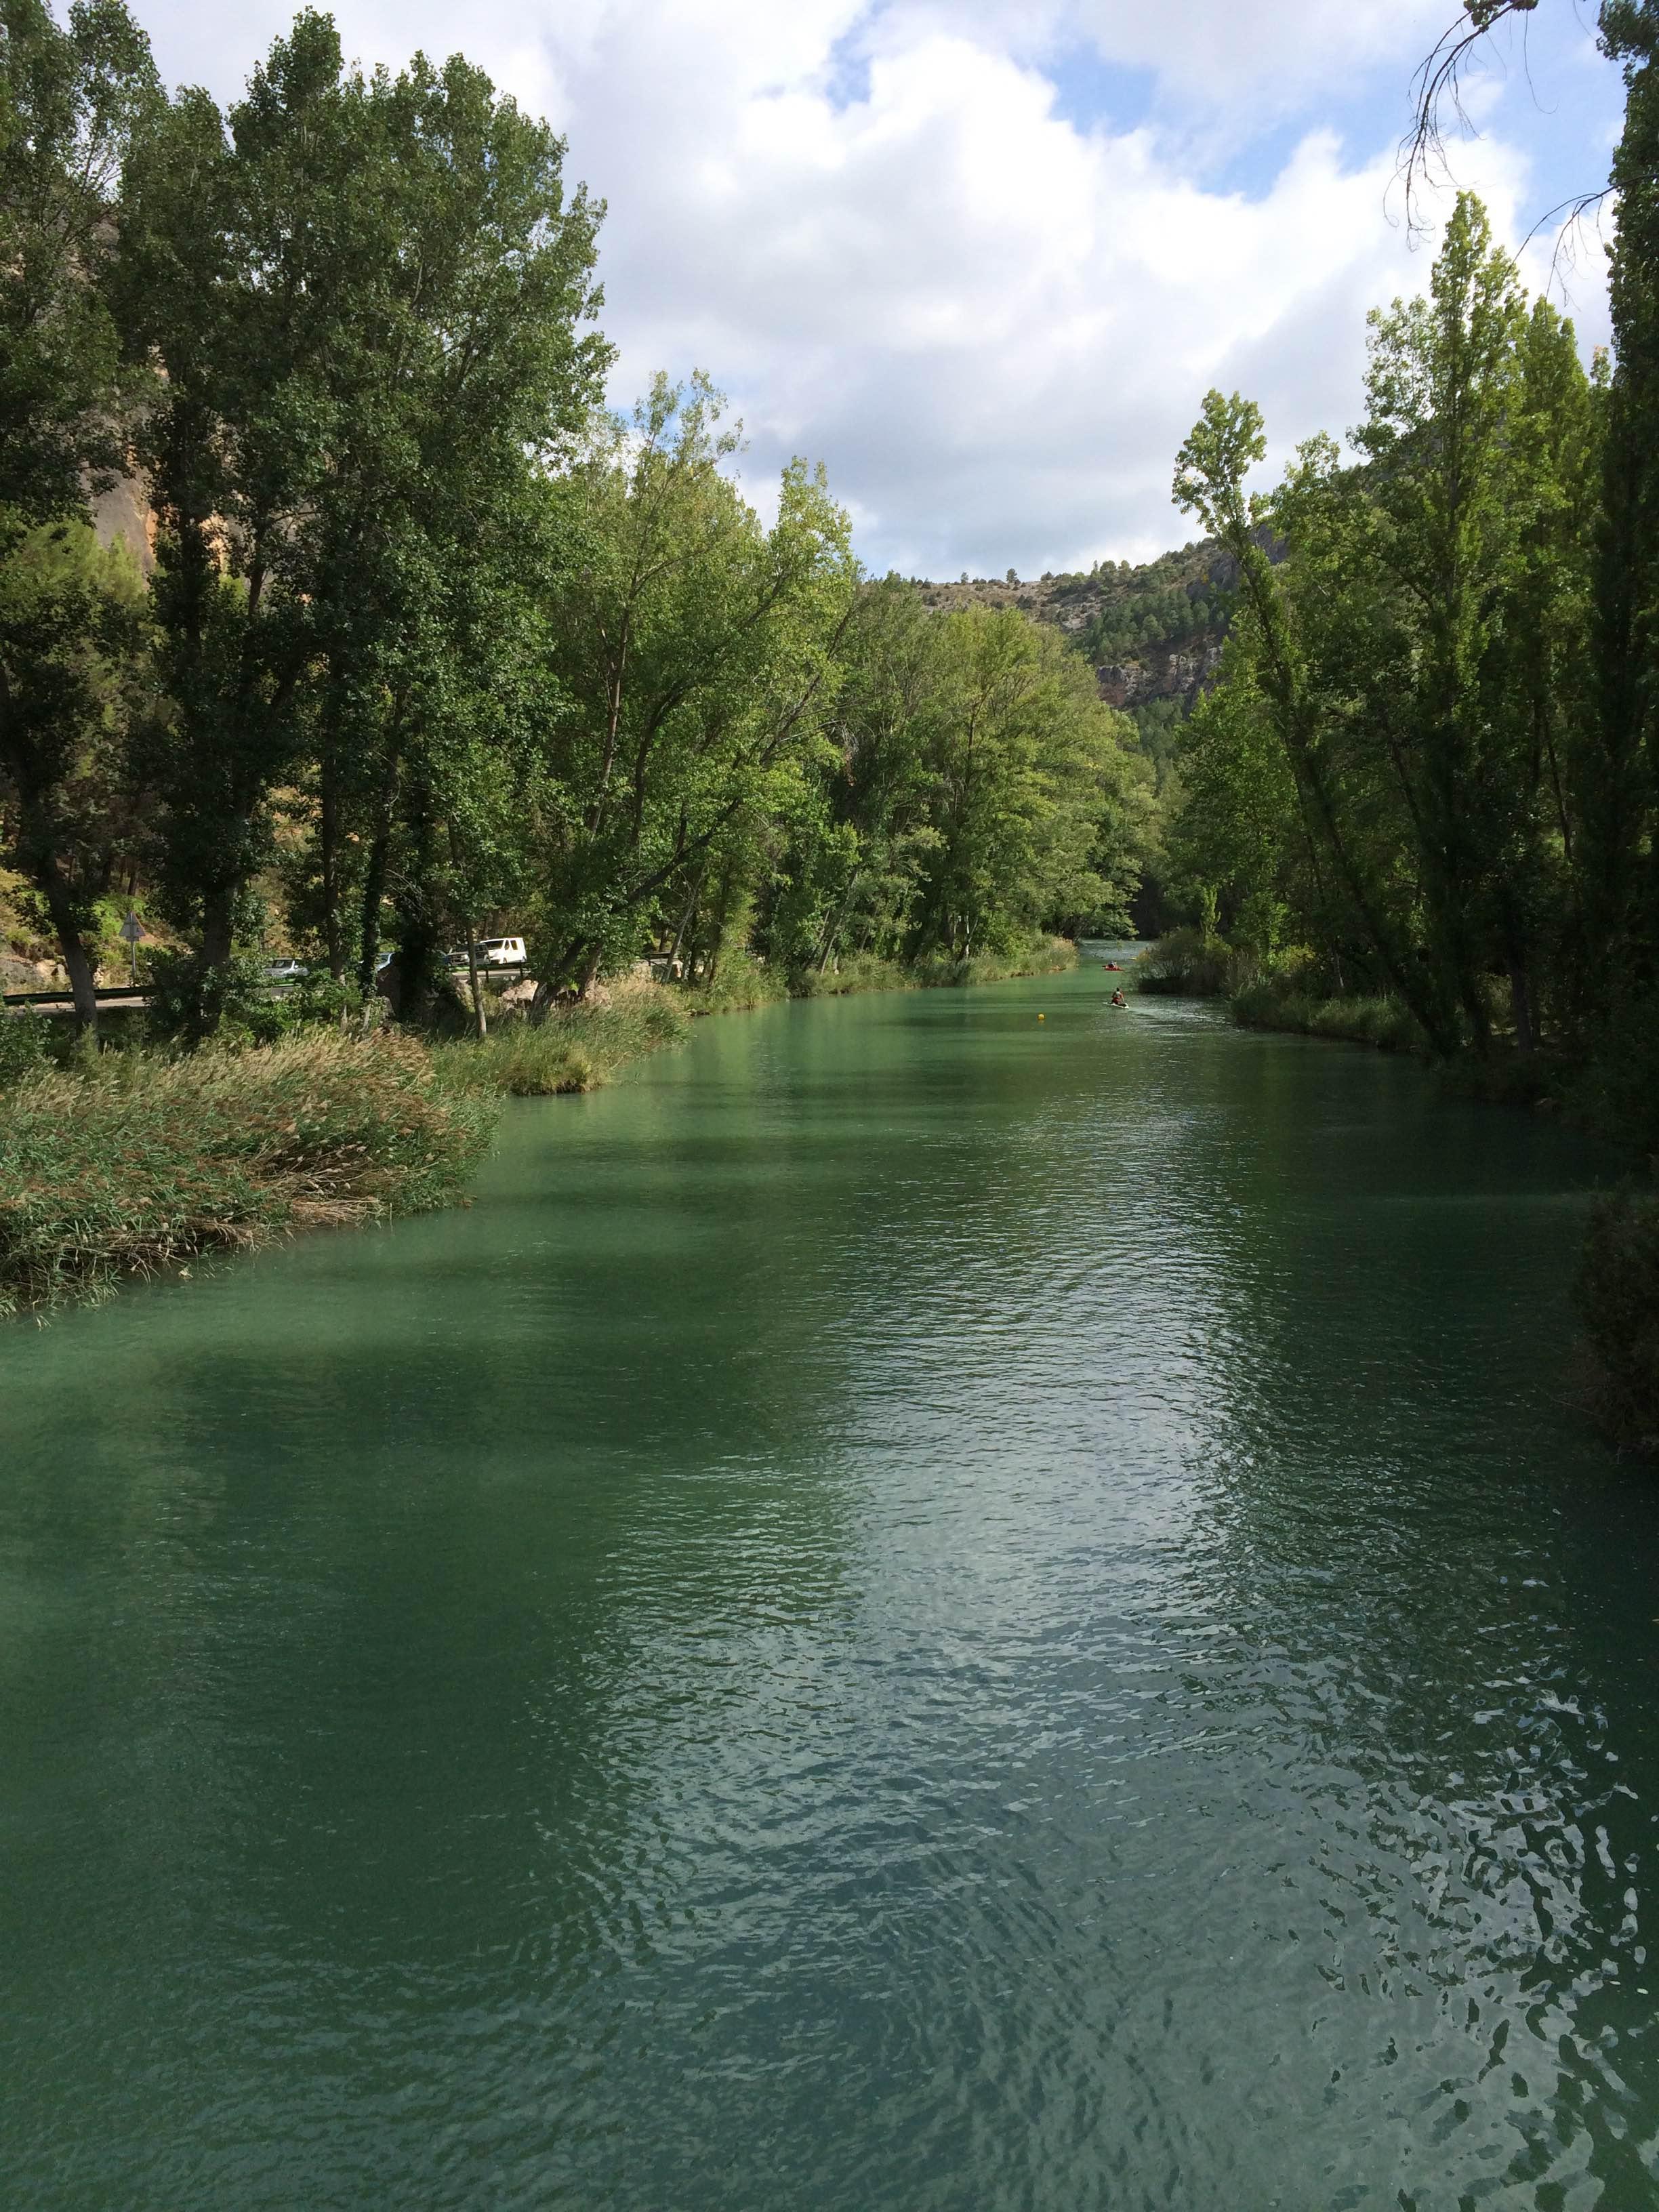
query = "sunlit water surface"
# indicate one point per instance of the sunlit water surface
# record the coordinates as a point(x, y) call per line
point(920, 1610)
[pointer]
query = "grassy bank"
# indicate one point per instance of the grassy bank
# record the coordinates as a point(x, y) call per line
point(1185, 965)
point(1382, 1022)
point(1044, 955)
point(574, 1050)
point(122, 1166)
point(133, 1162)
point(1188, 964)
point(743, 982)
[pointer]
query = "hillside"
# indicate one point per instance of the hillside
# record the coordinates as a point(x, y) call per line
point(1153, 633)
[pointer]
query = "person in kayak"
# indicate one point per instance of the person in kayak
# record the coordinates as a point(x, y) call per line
point(1118, 999)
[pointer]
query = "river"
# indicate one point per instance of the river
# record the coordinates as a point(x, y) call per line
point(922, 1609)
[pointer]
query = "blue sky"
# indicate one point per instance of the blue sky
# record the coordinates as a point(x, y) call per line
point(984, 257)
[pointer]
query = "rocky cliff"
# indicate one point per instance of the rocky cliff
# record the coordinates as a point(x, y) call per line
point(1153, 633)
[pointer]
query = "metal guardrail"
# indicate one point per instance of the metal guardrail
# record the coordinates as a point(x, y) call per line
point(110, 996)
point(129, 994)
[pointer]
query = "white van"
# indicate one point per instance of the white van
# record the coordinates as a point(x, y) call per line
point(500, 952)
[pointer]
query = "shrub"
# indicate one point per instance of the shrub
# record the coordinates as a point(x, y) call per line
point(1617, 1092)
point(29, 1042)
point(575, 1050)
point(740, 981)
point(1268, 1004)
point(189, 1001)
point(1186, 964)
point(1041, 956)
point(123, 1164)
point(855, 971)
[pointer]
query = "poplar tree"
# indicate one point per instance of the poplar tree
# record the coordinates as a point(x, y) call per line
point(693, 653)
point(70, 672)
point(362, 298)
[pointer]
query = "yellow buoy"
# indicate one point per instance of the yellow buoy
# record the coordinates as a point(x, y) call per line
point(1042, 1017)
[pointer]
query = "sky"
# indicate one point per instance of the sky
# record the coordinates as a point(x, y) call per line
point(984, 257)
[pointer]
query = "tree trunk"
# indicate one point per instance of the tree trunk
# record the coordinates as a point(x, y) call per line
point(373, 891)
point(75, 963)
point(472, 977)
point(685, 921)
point(218, 914)
point(328, 843)
point(1520, 1002)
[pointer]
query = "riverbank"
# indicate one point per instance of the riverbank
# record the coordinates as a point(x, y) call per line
point(743, 983)
point(130, 1162)
point(1188, 964)
point(1381, 1021)
point(1616, 1286)
point(398, 1623)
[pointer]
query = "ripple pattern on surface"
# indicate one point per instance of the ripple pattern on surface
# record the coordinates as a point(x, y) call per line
point(907, 1617)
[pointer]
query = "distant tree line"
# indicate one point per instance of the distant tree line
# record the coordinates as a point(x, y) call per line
point(428, 637)
point(1150, 618)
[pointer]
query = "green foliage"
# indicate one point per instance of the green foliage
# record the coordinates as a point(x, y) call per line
point(693, 651)
point(73, 101)
point(1187, 963)
point(1271, 1003)
point(29, 1042)
point(575, 1050)
point(1155, 616)
point(75, 686)
point(366, 292)
point(70, 101)
point(978, 790)
point(1393, 765)
point(858, 971)
point(738, 981)
point(1039, 955)
point(130, 1162)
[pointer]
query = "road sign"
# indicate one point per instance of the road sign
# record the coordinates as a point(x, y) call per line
point(131, 930)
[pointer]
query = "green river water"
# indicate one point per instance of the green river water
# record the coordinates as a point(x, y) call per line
point(917, 1611)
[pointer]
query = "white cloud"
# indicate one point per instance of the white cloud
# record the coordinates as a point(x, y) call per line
point(879, 229)
point(1204, 50)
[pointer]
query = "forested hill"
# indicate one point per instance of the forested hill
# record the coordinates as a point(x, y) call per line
point(1153, 634)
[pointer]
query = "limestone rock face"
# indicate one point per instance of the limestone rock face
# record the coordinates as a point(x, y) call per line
point(1154, 632)
point(1158, 675)
point(125, 512)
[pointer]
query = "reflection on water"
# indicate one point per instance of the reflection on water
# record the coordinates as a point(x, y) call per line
point(916, 1611)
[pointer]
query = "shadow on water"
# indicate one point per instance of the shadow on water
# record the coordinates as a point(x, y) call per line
point(916, 1610)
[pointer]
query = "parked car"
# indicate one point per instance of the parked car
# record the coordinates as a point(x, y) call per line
point(286, 971)
point(501, 952)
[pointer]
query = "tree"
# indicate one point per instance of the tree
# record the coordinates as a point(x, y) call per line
point(72, 688)
point(693, 653)
point(1423, 657)
point(70, 102)
point(365, 295)
point(1025, 759)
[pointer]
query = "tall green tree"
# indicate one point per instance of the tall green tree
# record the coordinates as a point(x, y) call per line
point(1025, 758)
point(1423, 656)
point(74, 688)
point(364, 297)
point(70, 100)
point(692, 652)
